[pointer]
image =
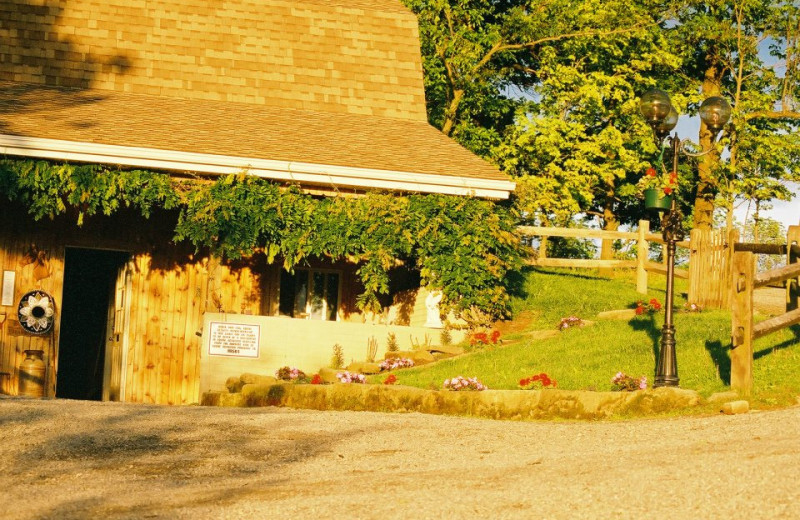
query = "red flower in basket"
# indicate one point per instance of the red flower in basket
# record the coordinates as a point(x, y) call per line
point(666, 182)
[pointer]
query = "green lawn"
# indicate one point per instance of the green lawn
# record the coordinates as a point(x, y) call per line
point(587, 358)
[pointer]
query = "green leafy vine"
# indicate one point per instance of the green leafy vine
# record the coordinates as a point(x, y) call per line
point(462, 245)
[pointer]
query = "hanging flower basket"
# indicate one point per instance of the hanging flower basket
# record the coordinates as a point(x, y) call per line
point(36, 311)
point(657, 200)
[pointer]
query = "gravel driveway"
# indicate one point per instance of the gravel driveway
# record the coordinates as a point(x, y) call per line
point(71, 459)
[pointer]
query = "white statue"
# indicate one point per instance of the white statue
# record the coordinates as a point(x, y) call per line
point(432, 303)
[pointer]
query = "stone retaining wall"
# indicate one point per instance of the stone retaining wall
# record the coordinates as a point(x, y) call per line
point(493, 404)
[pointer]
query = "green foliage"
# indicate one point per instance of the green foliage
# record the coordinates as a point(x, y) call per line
point(549, 91)
point(580, 145)
point(48, 189)
point(463, 246)
point(566, 247)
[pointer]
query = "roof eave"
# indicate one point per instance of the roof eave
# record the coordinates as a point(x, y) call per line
point(286, 171)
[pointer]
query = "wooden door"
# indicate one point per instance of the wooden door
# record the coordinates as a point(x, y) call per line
point(116, 339)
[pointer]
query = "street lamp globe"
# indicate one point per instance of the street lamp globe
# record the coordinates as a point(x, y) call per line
point(663, 128)
point(655, 106)
point(715, 113)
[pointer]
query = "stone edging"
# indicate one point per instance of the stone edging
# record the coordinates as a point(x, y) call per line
point(492, 404)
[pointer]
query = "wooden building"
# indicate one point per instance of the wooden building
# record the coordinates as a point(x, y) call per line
point(324, 94)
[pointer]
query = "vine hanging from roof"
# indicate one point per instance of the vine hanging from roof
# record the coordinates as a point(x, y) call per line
point(465, 246)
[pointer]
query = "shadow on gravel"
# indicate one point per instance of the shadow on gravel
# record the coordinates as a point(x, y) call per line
point(27, 416)
point(118, 459)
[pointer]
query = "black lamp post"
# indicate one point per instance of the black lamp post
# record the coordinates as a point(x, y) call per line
point(662, 117)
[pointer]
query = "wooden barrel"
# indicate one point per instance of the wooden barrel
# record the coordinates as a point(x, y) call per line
point(31, 374)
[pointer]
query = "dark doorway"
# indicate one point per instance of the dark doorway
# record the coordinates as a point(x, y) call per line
point(89, 276)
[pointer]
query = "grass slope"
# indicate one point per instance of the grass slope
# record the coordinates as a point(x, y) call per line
point(587, 358)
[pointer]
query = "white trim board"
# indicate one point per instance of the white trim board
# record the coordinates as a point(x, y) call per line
point(303, 173)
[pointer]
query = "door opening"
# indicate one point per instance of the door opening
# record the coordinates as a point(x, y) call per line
point(90, 277)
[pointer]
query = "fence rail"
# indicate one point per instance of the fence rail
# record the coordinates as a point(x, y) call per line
point(642, 264)
point(745, 280)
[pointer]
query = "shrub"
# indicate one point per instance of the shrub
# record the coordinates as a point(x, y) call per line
point(391, 343)
point(337, 359)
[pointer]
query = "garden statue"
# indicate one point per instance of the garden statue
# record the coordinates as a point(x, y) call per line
point(434, 321)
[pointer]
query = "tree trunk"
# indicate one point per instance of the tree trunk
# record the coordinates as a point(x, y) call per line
point(756, 219)
point(706, 184)
point(451, 112)
point(610, 223)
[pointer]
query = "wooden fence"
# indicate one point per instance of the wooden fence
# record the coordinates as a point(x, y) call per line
point(642, 264)
point(710, 261)
point(745, 280)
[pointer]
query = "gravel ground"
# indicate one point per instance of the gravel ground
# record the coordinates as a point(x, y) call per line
point(770, 301)
point(72, 459)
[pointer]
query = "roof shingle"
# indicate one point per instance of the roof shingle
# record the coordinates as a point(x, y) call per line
point(355, 57)
point(235, 129)
point(315, 81)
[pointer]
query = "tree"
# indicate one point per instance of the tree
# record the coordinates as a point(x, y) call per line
point(482, 56)
point(581, 145)
point(723, 43)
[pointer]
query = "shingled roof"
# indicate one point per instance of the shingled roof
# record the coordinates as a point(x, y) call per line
point(315, 91)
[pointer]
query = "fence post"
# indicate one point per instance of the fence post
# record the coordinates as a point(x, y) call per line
point(696, 266)
point(642, 254)
point(793, 284)
point(742, 322)
point(725, 274)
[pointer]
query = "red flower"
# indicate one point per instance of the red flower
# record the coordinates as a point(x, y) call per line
point(667, 190)
point(479, 337)
point(651, 172)
point(316, 380)
point(392, 379)
point(495, 336)
point(639, 310)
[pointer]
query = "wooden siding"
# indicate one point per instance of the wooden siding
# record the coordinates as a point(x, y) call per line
point(169, 290)
point(15, 341)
